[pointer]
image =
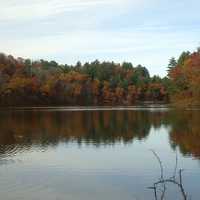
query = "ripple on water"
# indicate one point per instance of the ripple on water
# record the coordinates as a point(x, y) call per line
point(12, 150)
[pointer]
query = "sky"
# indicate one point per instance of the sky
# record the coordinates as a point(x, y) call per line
point(146, 32)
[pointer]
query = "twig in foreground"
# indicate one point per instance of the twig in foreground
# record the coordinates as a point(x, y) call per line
point(162, 181)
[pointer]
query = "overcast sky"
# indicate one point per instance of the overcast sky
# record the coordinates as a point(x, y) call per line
point(146, 32)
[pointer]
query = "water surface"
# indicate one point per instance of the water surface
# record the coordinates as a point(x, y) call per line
point(95, 154)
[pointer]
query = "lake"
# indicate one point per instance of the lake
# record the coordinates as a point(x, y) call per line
point(96, 153)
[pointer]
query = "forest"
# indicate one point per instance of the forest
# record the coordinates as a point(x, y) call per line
point(24, 82)
point(184, 76)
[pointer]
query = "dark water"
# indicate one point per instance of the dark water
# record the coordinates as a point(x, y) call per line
point(62, 154)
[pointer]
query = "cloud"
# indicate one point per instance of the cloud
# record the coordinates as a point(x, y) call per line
point(36, 9)
point(98, 43)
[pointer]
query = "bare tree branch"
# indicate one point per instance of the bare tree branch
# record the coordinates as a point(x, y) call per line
point(162, 181)
point(160, 163)
point(176, 166)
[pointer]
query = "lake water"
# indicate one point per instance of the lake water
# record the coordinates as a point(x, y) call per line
point(95, 154)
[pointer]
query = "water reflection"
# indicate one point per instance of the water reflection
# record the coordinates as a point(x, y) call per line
point(21, 130)
point(185, 132)
point(40, 156)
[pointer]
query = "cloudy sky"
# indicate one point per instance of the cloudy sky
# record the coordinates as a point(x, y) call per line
point(148, 32)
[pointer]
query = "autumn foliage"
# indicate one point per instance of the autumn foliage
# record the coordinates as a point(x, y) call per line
point(26, 82)
point(185, 79)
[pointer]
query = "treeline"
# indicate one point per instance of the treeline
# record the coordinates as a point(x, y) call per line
point(26, 82)
point(184, 74)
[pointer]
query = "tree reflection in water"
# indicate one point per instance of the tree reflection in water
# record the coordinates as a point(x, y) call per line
point(21, 130)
